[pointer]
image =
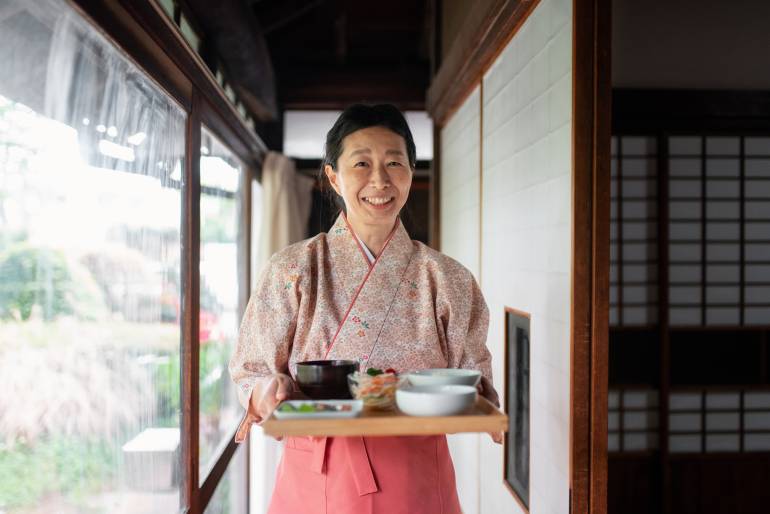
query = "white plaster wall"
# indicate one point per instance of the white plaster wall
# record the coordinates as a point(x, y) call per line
point(460, 175)
point(526, 241)
point(460, 239)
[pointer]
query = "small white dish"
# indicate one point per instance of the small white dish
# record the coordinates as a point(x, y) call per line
point(441, 400)
point(444, 376)
point(292, 409)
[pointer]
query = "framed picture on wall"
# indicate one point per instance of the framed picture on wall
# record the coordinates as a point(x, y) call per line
point(516, 405)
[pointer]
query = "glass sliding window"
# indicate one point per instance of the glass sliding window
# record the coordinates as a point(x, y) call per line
point(90, 216)
point(221, 268)
point(230, 496)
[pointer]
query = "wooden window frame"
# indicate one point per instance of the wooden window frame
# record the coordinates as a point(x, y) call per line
point(152, 41)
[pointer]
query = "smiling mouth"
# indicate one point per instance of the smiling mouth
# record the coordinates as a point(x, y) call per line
point(378, 200)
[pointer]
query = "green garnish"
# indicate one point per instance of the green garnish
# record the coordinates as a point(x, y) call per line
point(373, 372)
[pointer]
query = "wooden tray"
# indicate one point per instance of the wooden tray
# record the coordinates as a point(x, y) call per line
point(484, 417)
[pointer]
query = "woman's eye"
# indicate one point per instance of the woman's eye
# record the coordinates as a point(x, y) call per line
point(394, 163)
point(359, 164)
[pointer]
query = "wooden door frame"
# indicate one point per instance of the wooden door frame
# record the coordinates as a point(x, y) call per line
point(478, 43)
point(589, 316)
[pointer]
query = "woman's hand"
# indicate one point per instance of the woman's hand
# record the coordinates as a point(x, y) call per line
point(275, 389)
point(496, 437)
point(265, 397)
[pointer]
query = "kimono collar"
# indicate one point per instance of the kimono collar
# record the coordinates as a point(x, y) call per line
point(344, 240)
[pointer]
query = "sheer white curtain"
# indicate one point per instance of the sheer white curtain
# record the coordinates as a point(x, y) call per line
point(286, 198)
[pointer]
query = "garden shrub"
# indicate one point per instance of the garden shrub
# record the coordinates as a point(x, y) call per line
point(39, 279)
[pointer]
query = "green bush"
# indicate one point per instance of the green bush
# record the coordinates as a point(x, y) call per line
point(73, 468)
point(36, 276)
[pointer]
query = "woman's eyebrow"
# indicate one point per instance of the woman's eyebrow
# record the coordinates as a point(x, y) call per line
point(367, 150)
point(359, 151)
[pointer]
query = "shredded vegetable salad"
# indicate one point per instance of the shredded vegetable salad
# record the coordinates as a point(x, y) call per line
point(376, 387)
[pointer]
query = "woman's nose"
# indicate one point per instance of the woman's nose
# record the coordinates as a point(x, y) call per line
point(379, 176)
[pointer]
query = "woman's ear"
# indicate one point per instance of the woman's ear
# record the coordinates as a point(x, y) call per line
point(332, 176)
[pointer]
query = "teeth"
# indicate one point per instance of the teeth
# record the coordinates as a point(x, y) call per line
point(378, 200)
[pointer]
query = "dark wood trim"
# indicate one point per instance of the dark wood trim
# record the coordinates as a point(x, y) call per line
point(703, 237)
point(434, 196)
point(506, 374)
point(480, 40)
point(479, 250)
point(589, 317)
point(214, 477)
point(212, 119)
point(620, 220)
point(645, 111)
point(434, 15)
point(190, 370)
point(742, 236)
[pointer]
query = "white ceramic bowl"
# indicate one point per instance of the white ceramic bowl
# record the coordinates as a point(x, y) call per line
point(444, 376)
point(442, 400)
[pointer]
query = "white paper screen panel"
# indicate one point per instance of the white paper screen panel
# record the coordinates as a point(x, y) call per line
point(719, 230)
point(699, 421)
point(719, 421)
point(632, 420)
point(633, 231)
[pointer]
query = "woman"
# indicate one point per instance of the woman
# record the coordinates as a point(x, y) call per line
point(363, 291)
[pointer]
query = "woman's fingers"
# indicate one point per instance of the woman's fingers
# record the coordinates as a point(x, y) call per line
point(243, 428)
point(496, 437)
point(267, 400)
point(277, 389)
point(284, 387)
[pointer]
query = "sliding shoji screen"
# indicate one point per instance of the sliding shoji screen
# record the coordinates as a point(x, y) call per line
point(710, 421)
point(719, 230)
point(756, 241)
point(633, 231)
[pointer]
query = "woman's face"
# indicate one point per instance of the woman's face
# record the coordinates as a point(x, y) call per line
point(373, 176)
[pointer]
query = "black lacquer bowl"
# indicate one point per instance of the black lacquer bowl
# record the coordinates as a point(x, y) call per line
point(325, 380)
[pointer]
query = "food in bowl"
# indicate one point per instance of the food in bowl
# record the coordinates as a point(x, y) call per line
point(314, 407)
point(318, 409)
point(442, 400)
point(444, 376)
point(325, 379)
point(376, 387)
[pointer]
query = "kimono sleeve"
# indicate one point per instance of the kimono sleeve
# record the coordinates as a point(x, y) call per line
point(466, 323)
point(267, 328)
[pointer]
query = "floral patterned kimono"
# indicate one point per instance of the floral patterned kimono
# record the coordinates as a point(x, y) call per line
point(412, 308)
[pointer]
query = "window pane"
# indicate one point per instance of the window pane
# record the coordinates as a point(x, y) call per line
point(90, 216)
point(230, 495)
point(220, 268)
point(304, 132)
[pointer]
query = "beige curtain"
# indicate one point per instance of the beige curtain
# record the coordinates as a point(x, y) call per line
point(285, 198)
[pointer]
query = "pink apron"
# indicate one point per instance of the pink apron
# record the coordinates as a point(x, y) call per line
point(365, 475)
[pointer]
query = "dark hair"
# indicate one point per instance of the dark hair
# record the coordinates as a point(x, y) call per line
point(360, 116)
